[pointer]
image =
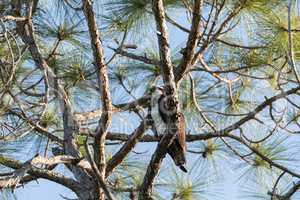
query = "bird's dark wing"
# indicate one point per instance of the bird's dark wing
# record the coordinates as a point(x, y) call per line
point(162, 108)
point(178, 147)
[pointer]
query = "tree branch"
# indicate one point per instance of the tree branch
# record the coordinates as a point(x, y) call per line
point(143, 59)
point(27, 167)
point(98, 174)
point(172, 103)
point(103, 82)
point(133, 139)
point(26, 31)
point(192, 42)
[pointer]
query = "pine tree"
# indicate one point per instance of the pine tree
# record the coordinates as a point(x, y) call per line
point(76, 79)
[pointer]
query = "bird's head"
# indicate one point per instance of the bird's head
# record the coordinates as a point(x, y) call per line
point(156, 93)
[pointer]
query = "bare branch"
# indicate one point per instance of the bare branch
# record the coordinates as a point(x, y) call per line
point(103, 82)
point(99, 175)
point(192, 42)
point(133, 139)
point(154, 166)
point(143, 59)
point(12, 18)
point(27, 167)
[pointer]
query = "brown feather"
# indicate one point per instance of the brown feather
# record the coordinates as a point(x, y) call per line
point(181, 132)
point(178, 147)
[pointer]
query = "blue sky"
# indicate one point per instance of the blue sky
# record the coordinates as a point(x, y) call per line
point(46, 190)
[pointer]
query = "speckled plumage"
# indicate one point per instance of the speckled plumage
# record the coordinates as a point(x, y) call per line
point(178, 147)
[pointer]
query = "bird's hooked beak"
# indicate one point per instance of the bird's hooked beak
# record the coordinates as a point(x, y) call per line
point(157, 90)
point(160, 89)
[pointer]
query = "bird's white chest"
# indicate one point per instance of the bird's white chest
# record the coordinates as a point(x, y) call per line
point(158, 121)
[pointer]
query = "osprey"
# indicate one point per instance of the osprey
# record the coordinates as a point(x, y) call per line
point(160, 118)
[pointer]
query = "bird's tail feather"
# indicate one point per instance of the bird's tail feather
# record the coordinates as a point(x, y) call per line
point(177, 154)
point(183, 168)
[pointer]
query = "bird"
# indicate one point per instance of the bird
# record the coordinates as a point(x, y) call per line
point(177, 149)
